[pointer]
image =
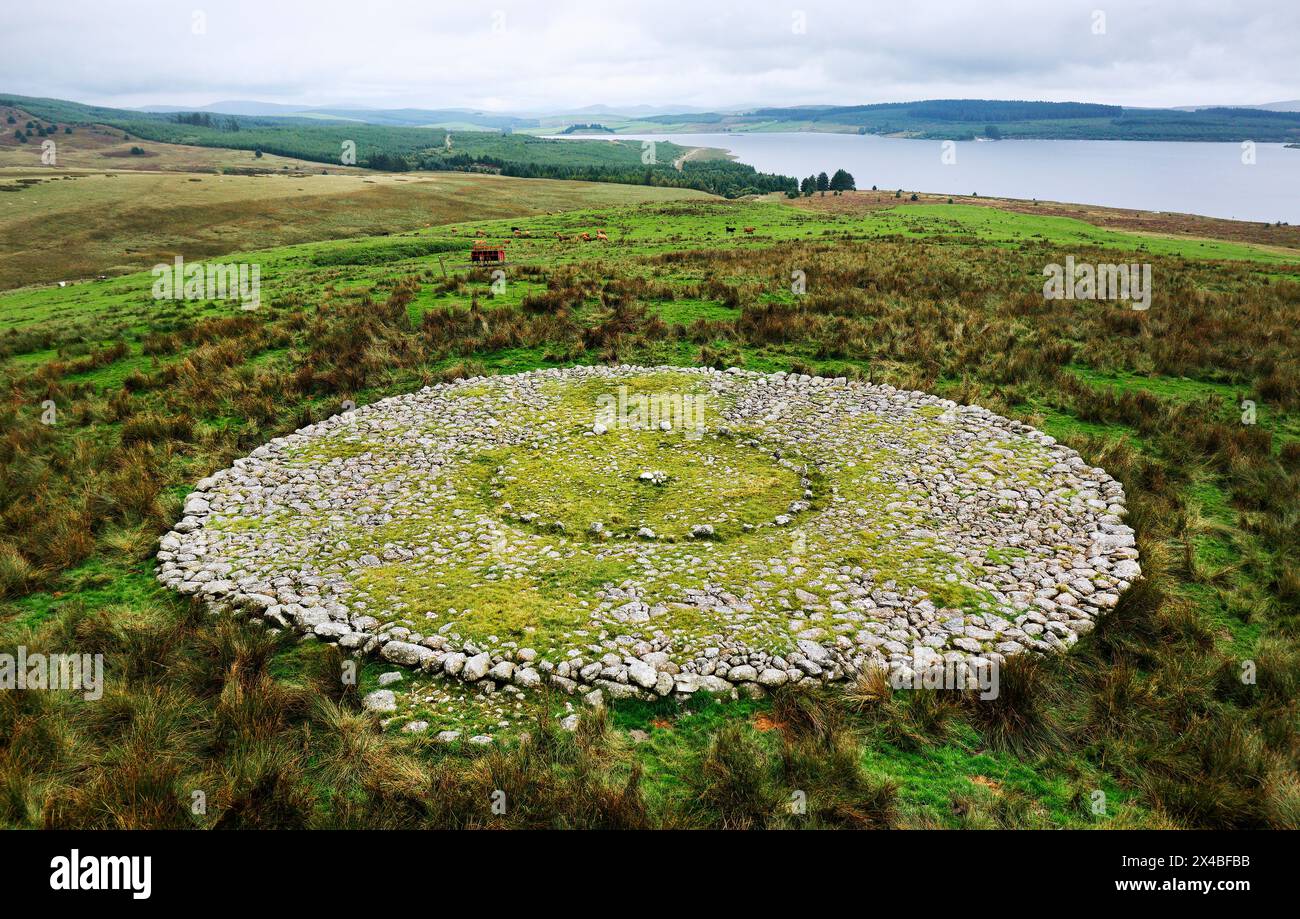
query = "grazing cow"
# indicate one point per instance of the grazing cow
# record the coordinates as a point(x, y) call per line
point(749, 231)
point(560, 236)
point(600, 234)
point(586, 237)
point(731, 229)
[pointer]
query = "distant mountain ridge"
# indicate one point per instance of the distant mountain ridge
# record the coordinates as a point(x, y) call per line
point(996, 119)
point(1291, 105)
point(410, 117)
point(939, 119)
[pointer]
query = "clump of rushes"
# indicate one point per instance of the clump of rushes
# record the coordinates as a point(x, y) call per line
point(1021, 717)
point(733, 783)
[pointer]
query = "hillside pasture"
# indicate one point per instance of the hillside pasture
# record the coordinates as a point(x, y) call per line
point(63, 225)
point(1149, 708)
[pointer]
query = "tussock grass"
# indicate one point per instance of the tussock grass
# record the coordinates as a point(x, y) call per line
point(1151, 705)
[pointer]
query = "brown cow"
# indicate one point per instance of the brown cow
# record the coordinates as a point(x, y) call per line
point(600, 234)
point(749, 231)
point(586, 237)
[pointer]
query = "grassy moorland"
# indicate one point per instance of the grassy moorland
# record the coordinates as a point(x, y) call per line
point(68, 224)
point(1150, 708)
point(99, 147)
point(1285, 238)
point(112, 204)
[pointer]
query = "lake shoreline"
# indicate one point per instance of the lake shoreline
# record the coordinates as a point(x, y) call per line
point(1214, 179)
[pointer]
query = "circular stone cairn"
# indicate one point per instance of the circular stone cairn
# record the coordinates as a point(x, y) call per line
point(651, 531)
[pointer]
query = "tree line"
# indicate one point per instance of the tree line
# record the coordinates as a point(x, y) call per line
point(403, 149)
point(719, 177)
point(821, 183)
point(205, 120)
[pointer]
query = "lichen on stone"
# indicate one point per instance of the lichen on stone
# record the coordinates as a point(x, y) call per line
point(660, 530)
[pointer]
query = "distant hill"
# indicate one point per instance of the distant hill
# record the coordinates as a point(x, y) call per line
point(637, 110)
point(939, 119)
point(416, 116)
point(227, 108)
point(404, 147)
point(1292, 105)
point(409, 117)
point(966, 119)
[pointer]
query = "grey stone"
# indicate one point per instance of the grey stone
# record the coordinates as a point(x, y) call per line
point(406, 654)
point(642, 674)
point(527, 677)
point(476, 667)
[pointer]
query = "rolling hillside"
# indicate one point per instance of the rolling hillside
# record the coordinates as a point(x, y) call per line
point(151, 396)
point(965, 119)
point(401, 149)
point(70, 225)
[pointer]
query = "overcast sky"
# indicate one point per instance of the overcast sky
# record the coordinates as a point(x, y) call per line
point(555, 54)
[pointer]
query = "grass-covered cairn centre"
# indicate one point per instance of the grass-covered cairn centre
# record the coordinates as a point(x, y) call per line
point(658, 531)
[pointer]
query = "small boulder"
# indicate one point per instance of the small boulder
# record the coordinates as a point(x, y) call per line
point(527, 677)
point(476, 668)
point(642, 674)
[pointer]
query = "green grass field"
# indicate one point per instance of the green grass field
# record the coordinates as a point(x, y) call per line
point(1148, 709)
point(71, 225)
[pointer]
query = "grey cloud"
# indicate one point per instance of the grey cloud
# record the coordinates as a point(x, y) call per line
point(568, 53)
